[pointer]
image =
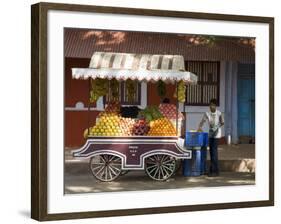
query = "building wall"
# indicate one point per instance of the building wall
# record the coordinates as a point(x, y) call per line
point(231, 106)
point(75, 115)
point(79, 48)
point(77, 118)
point(194, 114)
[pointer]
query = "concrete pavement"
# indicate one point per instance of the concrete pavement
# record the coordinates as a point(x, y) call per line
point(137, 180)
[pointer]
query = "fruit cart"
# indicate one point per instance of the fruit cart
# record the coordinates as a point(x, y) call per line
point(151, 143)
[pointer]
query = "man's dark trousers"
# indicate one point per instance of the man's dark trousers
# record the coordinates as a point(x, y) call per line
point(214, 166)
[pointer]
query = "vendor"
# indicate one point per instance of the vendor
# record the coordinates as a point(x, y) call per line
point(216, 121)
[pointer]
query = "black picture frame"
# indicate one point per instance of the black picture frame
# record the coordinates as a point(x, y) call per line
point(39, 203)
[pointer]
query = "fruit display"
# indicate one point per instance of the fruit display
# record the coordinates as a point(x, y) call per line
point(170, 111)
point(161, 127)
point(141, 127)
point(111, 124)
point(180, 93)
point(99, 87)
point(152, 121)
point(112, 107)
point(150, 113)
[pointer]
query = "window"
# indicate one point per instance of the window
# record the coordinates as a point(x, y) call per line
point(208, 84)
point(125, 97)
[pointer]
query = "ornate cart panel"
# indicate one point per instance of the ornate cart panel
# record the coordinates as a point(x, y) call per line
point(133, 150)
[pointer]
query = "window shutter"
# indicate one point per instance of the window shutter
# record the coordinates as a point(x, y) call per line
point(208, 83)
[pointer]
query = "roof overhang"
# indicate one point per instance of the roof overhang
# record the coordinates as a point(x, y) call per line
point(141, 67)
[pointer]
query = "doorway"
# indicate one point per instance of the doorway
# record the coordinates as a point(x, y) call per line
point(246, 103)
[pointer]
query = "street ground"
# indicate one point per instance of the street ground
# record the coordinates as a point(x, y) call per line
point(137, 180)
point(237, 165)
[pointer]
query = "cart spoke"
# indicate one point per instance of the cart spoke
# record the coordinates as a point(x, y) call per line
point(102, 158)
point(100, 171)
point(149, 167)
point(97, 167)
point(151, 171)
point(151, 159)
point(162, 158)
point(94, 164)
point(161, 169)
point(171, 160)
point(156, 172)
point(116, 163)
point(165, 158)
point(112, 170)
point(159, 173)
point(114, 167)
point(106, 173)
point(150, 162)
point(157, 158)
point(166, 171)
point(112, 158)
point(109, 172)
point(166, 167)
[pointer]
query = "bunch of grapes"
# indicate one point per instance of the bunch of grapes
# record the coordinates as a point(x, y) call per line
point(99, 87)
point(141, 127)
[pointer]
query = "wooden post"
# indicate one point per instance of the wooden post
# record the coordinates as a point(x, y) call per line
point(177, 112)
point(89, 104)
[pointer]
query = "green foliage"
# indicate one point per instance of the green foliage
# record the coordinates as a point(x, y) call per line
point(161, 89)
point(150, 113)
point(99, 87)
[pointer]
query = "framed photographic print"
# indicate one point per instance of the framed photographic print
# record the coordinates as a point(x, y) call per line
point(138, 111)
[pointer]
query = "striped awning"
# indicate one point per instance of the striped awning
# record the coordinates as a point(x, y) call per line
point(142, 67)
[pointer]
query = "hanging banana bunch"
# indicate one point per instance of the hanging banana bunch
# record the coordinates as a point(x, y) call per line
point(161, 89)
point(131, 87)
point(114, 89)
point(180, 94)
point(99, 87)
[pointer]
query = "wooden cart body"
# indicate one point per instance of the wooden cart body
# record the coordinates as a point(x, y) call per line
point(111, 157)
point(132, 150)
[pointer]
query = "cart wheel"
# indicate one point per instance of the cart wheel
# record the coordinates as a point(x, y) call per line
point(106, 167)
point(160, 167)
point(178, 166)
